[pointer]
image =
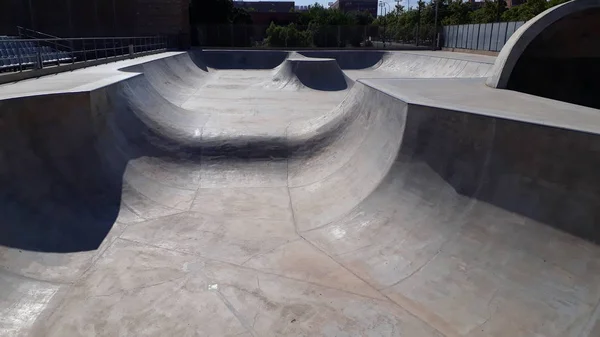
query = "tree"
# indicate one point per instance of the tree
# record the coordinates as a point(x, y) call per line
point(361, 18)
point(399, 9)
point(491, 11)
point(317, 14)
point(532, 8)
point(553, 3)
point(456, 13)
point(290, 36)
point(529, 9)
point(240, 16)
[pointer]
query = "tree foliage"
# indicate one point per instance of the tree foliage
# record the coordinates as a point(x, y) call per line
point(287, 36)
point(457, 12)
point(320, 27)
point(529, 9)
point(491, 11)
point(326, 27)
point(319, 15)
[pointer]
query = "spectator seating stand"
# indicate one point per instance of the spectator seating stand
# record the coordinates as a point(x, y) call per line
point(20, 54)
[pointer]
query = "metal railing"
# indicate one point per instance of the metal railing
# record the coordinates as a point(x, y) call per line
point(17, 54)
point(26, 33)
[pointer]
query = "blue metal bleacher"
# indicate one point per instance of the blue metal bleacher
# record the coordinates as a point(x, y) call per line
point(16, 54)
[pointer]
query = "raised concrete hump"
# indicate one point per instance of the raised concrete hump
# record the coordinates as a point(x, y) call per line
point(313, 73)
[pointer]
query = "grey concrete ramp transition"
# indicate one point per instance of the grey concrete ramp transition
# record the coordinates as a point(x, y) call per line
point(400, 210)
point(314, 73)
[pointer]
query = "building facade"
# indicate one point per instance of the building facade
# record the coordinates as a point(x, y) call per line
point(266, 6)
point(512, 3)
point(265, 12)
point(356, 6)
point(302, 8)
point(88, 18)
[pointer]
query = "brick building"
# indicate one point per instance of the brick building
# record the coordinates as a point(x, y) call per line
point(86, 18)
point(265, 12)
point(304, 8)
point(356, 6)
point(266, 6)
point(512, 3)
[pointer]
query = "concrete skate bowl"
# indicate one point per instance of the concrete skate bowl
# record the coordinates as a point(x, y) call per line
point(69, 172)
point(328, 157)
point(398, 194)
point(555, 55)
point(408, 210)
point(314, 73)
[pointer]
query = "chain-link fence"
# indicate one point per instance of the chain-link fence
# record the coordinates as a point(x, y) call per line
point(314, 36)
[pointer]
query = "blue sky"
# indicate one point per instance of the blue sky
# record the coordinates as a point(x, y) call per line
point(324, 3)
point(308, 2)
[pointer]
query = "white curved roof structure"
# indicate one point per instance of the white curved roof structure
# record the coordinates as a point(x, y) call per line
point(524, 36)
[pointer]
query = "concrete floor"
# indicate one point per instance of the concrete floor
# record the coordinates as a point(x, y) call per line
point(164, 199)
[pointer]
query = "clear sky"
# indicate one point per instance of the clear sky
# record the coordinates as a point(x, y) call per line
point(324, 3)
point(308, 2)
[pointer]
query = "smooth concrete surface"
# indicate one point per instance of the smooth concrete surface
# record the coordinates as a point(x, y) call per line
point(179, 197)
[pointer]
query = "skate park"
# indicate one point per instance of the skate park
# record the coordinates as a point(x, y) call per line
point(308, 193)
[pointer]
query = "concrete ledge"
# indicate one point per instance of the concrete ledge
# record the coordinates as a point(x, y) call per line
point(526, 154)
point(36, 73)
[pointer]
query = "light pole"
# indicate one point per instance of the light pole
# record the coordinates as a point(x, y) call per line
point(382, 4)
point(436, 39)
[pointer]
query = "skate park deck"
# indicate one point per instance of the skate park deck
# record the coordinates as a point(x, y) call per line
point(234, 194)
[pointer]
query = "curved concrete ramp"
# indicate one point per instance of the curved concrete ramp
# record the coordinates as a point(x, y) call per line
point(241, 59)
point(434, 65)
point(177, 77)
point(312, 73)
point(388, 215)
point(425, 64)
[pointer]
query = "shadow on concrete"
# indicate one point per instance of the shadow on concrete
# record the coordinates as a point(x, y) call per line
point(240, 59)
point(57, 193)
point(543, 173)
point(64, 157)
point(322, 75)
point(349, 60)
point(562, 62)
